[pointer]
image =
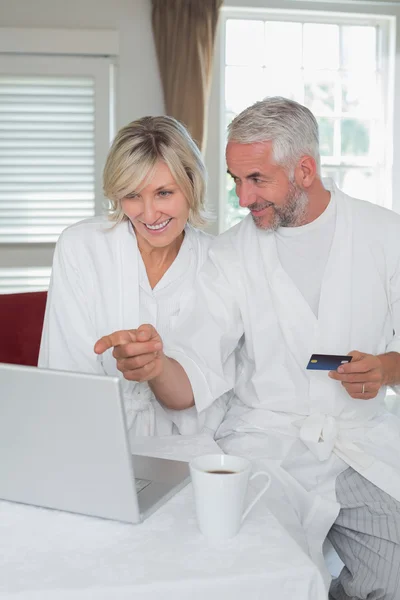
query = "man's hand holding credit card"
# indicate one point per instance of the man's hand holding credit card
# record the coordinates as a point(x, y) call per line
point(361, 374)
point(327, 362)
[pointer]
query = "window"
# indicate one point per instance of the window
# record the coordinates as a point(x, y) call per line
point(13, 281)
point(55, 129)
point(339, 67)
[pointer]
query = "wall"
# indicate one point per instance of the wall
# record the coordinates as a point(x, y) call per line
point(138, 84)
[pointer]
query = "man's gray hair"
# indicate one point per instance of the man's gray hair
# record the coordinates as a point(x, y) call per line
point(290, 126)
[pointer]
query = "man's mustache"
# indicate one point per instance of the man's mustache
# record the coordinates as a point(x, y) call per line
point(257, 206)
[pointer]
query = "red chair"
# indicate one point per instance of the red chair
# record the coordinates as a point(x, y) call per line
point(21, 322)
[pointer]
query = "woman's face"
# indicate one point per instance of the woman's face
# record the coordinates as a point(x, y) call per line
point(158, 212)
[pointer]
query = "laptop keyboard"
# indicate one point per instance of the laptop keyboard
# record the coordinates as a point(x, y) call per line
point(141, 484)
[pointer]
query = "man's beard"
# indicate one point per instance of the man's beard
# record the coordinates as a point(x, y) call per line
point(291, 214)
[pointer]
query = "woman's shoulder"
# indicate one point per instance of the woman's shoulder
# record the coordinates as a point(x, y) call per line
point(88, 231)
point(84, 227)
point(198, 236)
point(198, 242)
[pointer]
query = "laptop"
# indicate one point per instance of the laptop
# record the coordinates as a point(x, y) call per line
point(64, 445)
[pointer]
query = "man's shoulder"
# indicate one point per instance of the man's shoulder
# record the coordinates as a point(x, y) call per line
point(374, 212)
point(229, 239)
point(366, 212)
point(375, 222)
point(226, 252)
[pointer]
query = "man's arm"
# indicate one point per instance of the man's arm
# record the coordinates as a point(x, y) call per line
point(364, 376)
point(366, 373)
point(391, 368)
point(172, 386)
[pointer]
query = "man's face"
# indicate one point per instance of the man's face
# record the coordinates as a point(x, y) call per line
point(264, 187)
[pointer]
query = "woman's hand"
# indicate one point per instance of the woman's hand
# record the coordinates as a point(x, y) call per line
point(138, 352)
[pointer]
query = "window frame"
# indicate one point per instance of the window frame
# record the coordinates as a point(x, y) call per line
point(98, 68)
point(286, 10)
point(52, 44)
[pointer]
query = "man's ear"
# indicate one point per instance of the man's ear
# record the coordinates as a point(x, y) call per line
point(305, 171)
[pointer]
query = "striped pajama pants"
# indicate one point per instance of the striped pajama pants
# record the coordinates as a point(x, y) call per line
point(366, 536)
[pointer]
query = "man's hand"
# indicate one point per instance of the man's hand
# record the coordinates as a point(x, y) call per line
point(138, 352)
point(362, 377)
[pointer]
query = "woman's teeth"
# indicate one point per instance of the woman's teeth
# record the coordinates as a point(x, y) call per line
point(159, 226)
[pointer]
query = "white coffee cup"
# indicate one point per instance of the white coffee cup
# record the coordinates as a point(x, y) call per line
point(220, 484)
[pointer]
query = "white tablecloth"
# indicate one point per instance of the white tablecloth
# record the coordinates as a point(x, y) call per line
point(50, 555)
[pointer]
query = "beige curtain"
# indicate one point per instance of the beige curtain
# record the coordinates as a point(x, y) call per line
point(184, 34)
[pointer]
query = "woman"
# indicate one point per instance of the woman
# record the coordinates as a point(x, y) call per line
point(135, 266)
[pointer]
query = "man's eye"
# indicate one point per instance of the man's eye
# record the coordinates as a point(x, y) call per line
point(256, 180)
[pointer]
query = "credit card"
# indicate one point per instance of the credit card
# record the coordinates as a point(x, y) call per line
point(327, 362)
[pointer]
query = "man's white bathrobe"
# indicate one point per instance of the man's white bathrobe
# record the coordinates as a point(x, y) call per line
point(99, 285)
point(301, 420)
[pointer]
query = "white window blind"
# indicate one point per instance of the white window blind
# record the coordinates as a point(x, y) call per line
point(13, 281)
point(47, 155)
point(56, 122)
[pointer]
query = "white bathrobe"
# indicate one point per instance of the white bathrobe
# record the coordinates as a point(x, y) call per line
point(301, 420)
point(98, 286)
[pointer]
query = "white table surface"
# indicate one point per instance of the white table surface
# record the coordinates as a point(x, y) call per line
point(51, 555)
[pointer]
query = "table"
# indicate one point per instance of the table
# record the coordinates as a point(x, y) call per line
point(51, 555)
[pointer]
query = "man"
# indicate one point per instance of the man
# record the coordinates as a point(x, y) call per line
point(310, 270)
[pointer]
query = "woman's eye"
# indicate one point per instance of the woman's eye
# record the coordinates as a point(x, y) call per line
point(132, 196)
point(165, 193)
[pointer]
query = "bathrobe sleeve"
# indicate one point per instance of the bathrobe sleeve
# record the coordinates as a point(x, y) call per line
point(394, 344)
point(207, 335)
point(68, 333)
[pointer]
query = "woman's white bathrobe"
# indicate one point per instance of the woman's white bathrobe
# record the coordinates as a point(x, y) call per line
point(99, 285)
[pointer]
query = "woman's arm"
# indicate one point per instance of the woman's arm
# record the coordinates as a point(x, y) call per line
point(200, 364)
point(68, 329)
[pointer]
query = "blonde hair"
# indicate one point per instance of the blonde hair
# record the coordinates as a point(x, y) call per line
point(133, 156)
